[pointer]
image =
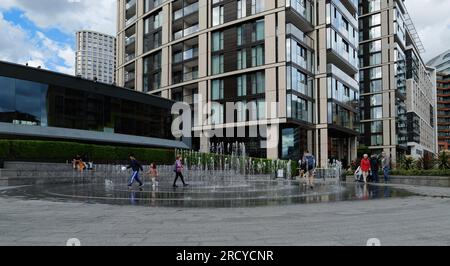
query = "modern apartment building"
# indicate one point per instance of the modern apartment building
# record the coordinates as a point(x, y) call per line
point(300, 54)
point(443, 98)
point(95, 56)
point(398, 106)
point(441, 63)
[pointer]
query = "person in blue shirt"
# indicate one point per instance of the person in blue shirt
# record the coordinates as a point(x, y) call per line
point(136, 167)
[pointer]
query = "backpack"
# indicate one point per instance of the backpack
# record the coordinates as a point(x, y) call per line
point(310, 162)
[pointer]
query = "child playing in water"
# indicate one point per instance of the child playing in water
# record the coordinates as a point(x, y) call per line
point(153, 172)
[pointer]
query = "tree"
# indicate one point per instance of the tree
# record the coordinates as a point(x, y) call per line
point(407, 163)
point(443, 161)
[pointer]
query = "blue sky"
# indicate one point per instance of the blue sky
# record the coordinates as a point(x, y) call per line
point(18, 18)
point(43, 32)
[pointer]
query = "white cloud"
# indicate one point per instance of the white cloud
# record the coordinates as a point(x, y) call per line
point(432, 23)
point(16, 45)
point(68, 15)
point(19, 46)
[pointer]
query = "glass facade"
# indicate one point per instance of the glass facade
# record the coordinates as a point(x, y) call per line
point(36, 104)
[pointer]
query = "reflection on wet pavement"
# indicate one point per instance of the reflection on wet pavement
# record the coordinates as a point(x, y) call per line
point(248, 193)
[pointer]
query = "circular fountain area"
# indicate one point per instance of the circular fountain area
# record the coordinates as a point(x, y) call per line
point(248, 193)
point(224, 178)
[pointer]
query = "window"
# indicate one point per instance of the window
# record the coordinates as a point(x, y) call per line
point(240, 35)
point(218, 15)
point(258, 55)
point(217, 41)
point(242, 85)
point(376, 100)
point(258, 31)
point(374, 5)
point(217, 64)
point(377, 127)
point(241, 8)
point(376, 113)
point(217, 114)
point(217, 90)
point(375, 59)
point(258, 83)
point(375, 46)
point(377, 140)
point(242, 59)
point(375, 73)
point(257, 6)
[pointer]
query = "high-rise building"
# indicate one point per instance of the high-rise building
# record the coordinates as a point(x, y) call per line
point(301, 54)
point(95, 56)
point(443, 98)
point(398, 106)
point(441, 63)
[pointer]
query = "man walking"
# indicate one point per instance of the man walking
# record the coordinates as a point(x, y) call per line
point(375, 166)
point(136, 167)
point(310, 165)
point(179, 172)
point(386, 164)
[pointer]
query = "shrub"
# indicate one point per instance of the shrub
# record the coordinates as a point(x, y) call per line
point(443, 161)
point(4, 149)
point(60, 151)
point(417, 172)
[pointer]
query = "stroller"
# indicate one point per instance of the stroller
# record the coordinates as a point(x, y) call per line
point(358, 175)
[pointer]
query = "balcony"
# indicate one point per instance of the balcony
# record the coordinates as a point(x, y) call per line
point(186, 55)
point(335, 71)
point(130, 4)
point(188, 31)
point(130, 40)
point(339, 24)
point(130, 21)
point(185, 77)
point(190, 9)
point(338, 55)
point(291, 29)
point(351, 5)
point(129, 57)
point(301, 15)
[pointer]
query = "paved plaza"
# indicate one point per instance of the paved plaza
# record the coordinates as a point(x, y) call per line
point(416, 220)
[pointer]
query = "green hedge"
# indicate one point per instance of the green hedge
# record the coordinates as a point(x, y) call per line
point(413, 172)
point(58, 151)
point(416, 172)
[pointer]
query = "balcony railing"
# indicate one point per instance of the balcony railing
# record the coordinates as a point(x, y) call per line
point(186, 55)
point(305, 11)
point(300, 35)
point(129, 57)
point(130, 4)
point(130, 21)
point(185, 11)
point(188, 76)
point(130, 40)
point(182, 33)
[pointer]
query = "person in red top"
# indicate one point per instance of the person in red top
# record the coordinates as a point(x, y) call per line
point(365, 167)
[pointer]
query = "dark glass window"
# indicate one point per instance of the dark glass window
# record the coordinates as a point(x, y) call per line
point(30, 103)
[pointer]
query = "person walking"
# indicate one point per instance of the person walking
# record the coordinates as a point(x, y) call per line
point(136, 167)
point(179, 172)
point(310, 167)
point(365, 167)
point(386, 164)
point(375, 167)
point(153, 172)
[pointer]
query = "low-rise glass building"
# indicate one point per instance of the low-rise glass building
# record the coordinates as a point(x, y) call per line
point(40, 104)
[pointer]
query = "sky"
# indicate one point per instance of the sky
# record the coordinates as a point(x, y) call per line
point(42, 32)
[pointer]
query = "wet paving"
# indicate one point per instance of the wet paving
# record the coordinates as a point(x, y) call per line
point(249, 193)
